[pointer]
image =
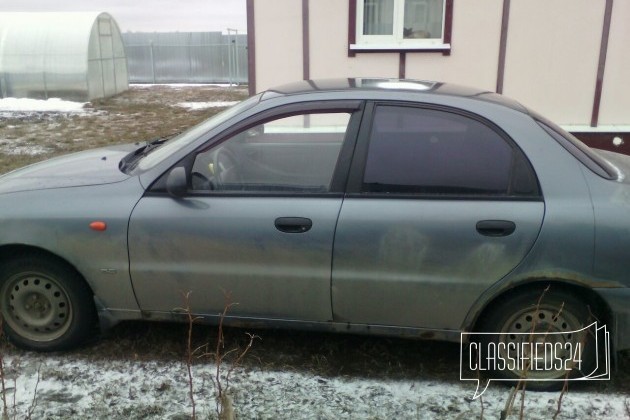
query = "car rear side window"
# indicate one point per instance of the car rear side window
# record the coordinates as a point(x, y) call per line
point(427, 151)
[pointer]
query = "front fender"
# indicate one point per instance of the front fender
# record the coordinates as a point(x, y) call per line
point(58, 221)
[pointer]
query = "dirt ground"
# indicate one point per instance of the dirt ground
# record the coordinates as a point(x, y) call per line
point(141, 113)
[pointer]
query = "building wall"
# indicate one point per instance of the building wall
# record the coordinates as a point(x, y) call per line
point(615, 107)
point(278, 42)
point(474, 53)
point(551, 57)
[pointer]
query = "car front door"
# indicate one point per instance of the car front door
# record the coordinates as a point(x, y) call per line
point(441, 205)
point(255, 226)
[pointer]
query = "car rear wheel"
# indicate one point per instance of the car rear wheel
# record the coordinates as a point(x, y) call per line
point(556, 320)
point(45, 305)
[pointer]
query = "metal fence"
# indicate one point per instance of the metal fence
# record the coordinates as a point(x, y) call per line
point(186, 57)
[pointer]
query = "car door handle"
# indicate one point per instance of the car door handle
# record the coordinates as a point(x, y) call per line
point(293, 224)
point(496, 228)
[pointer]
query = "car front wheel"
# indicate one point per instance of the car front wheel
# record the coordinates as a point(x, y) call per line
point(45, 305)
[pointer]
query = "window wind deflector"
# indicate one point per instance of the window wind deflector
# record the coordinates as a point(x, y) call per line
point(579, 150)
point(128, 162)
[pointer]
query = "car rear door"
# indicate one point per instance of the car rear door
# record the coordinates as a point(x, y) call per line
point(256, 226)
point(441, 204)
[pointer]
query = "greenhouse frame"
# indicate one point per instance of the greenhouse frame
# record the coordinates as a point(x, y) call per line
point(75, 56)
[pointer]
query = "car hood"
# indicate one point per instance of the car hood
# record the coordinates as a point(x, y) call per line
point(91, 167)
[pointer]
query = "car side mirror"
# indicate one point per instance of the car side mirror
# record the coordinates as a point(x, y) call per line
point(177, 182)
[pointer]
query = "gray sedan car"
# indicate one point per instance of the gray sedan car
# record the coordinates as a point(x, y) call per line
point(377, 206)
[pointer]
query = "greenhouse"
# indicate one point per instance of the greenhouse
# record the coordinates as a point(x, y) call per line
point(76, 56)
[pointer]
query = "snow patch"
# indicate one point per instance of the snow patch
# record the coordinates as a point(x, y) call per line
point(30, 150)
point(40, 105)
point(180, 85)
point(194, 106)
point(67, 386)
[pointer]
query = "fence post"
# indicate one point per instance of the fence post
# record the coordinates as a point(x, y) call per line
point(152, 62)
point(190, 58)
point(233, 55)
point(238, 70)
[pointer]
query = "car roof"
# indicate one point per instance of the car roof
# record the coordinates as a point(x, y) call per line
point(426, 87)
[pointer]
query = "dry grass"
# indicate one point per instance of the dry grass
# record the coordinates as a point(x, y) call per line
point(139, 114)
point(322, 354)
point(325, 355)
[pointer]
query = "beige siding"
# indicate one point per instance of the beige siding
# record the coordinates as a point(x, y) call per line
point(552, 56)
point(551, 59)
point(615, 104)
point(278, 42)
point(475, 51)
point(474, 58)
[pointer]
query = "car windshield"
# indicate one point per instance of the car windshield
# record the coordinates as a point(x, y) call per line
point(151, 156)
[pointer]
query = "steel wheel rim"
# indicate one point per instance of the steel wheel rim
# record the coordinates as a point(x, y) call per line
point(544, 319)
point(36, 306)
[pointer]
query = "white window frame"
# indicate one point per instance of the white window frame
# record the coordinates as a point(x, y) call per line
point(395, 41)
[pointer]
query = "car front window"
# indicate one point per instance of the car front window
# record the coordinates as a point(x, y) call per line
point(158, 154)
point(293, 154)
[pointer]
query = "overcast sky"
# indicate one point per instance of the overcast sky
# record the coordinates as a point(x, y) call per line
point(149, 15)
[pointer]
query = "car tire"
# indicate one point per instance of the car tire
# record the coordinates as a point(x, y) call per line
point(558, 312)
point(45, 304)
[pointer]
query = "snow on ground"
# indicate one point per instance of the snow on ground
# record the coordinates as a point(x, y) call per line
point(67, 387)
point(11, 106)
point(40, 105)
point(179, 85)
point(18, 149)
point(205, 105)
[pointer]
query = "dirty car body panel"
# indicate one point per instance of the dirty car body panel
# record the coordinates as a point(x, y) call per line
point(361, 205)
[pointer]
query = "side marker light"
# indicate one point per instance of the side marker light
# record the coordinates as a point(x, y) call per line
point(98, 226)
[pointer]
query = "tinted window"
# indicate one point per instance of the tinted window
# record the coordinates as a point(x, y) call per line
point(292, 154)
point(416, 150)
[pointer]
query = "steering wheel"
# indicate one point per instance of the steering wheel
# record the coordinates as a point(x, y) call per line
point(201, 182)
point(226, 168)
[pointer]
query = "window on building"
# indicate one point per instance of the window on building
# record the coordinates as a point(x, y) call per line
point(400, 24)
